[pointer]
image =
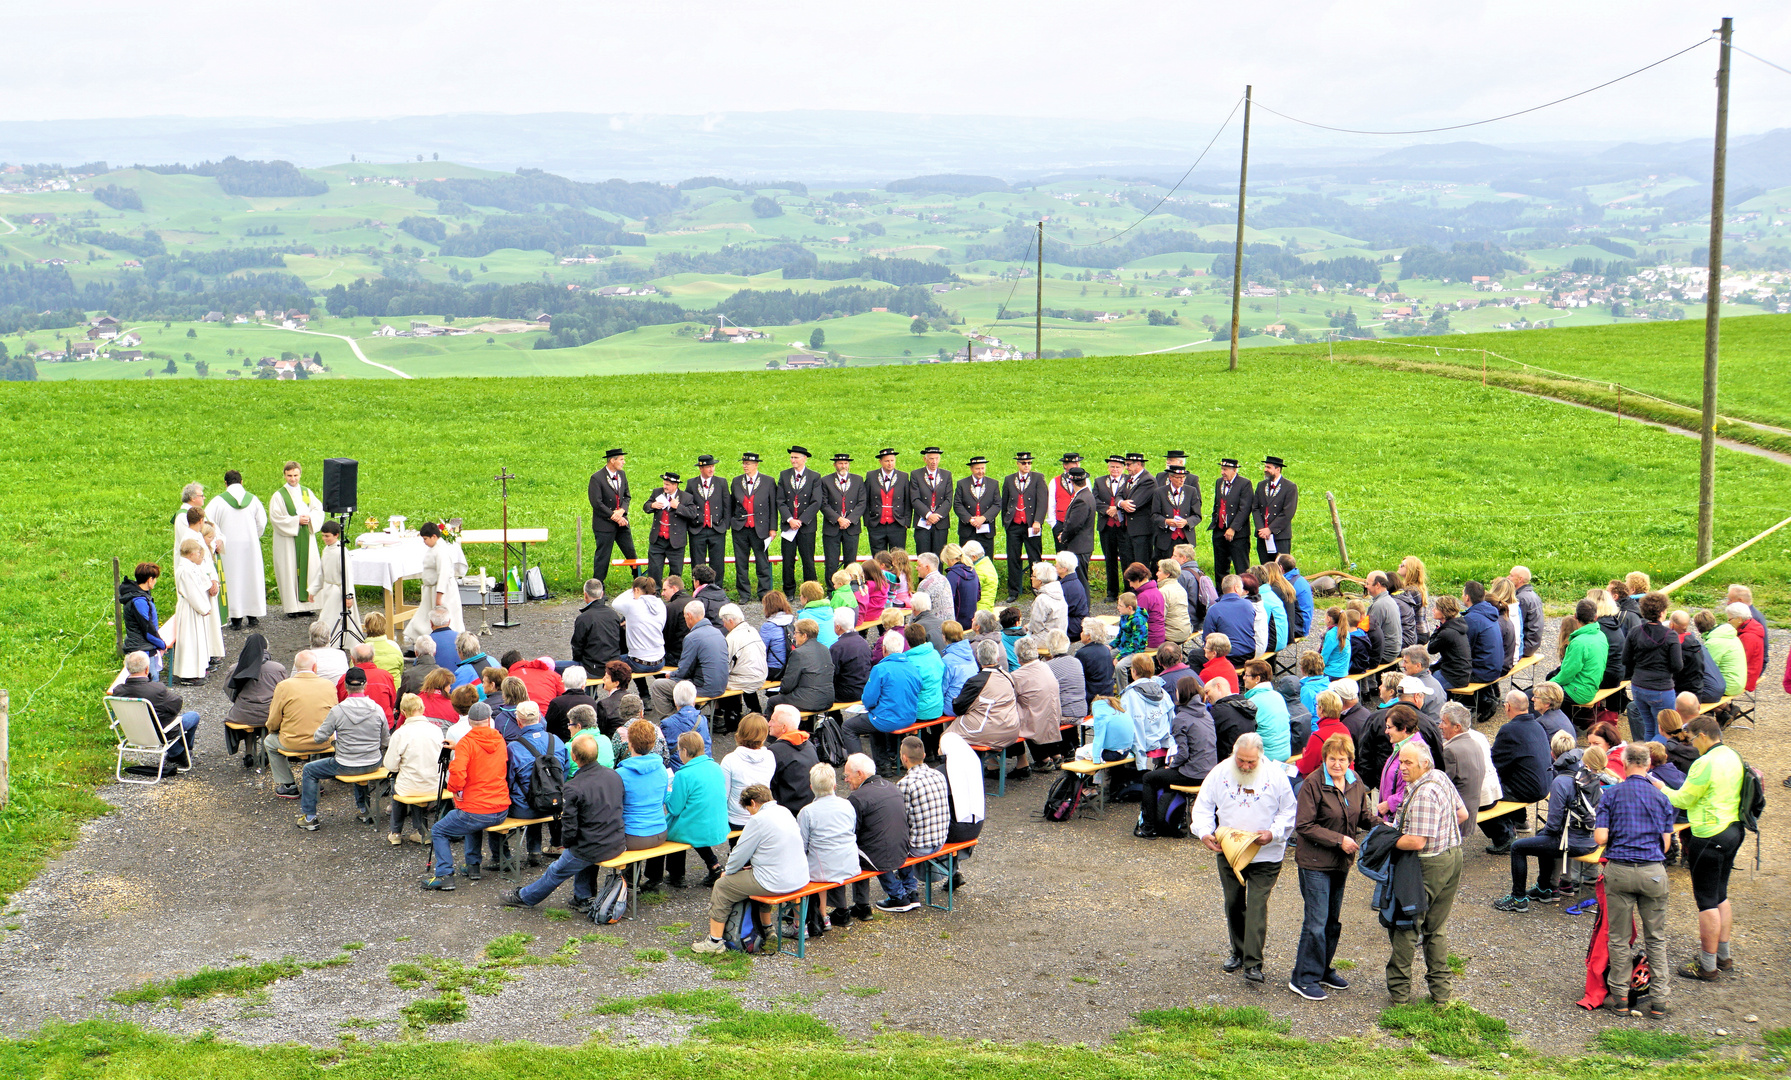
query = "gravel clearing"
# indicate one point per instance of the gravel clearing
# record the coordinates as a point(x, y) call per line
point(1064, 932)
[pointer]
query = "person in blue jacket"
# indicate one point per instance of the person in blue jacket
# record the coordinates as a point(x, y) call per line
point(532, 730)
point(1302, 594)
point(1233, 616)
point(959, 660)
point(645, 783)
point(686, 718)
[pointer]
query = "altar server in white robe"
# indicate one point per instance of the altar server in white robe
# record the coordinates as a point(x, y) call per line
point(296, 515)
point(194, 594)
point(329, 590)
point(193, 526)
point(241, 520)
point(191, 496)
point(443, 565)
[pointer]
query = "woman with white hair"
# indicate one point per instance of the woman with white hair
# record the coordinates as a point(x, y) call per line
point(1072, 684)
point(331, 662)
point(1049, 611)
point(829, 828)
point(987, 577)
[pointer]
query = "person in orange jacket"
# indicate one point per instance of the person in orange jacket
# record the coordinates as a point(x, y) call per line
point(479, 781)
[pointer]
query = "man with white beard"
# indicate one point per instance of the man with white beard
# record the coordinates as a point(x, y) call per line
point(1246, 793)
point(241, 520)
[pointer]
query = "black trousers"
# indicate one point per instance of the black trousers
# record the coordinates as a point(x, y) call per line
point(603, 542)
point(886, 537)
point(1157, 797)
point(1083, 558)
point(1022, 551)
point(749, 547)
point(1230, 556)
point(1166, 544)
point(802, 548)
point(1114, 549)
point(932, 539)
point(661, 551)
point(1140, 548)
point(674, 863)
point(967, 533)
point(710, 546)
point(1283, 545)
point(838, 548)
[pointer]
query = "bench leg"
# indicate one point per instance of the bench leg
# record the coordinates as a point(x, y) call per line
point(950, 870)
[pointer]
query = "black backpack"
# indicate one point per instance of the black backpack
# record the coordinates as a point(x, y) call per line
point(1064, 798)
point(1752, 804)
point(611, 902)
point(547, 783)
point(1582, 804)
point(830, 743)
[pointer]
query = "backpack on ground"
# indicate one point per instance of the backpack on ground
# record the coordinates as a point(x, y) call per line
point(1752, 804)
point(830, 742)
point(547, 783)
point(1064, 798)
point(741, 933)
point(610, 904)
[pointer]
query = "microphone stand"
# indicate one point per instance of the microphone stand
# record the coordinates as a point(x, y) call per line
point(503, 478)
point(342, 627)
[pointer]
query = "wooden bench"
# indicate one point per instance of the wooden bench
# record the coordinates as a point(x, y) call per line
point(507, 860)
point(634, 862)
point(1370, 679)
point(432, 806)
point(1192, 791)
point(1110, 620)
point(257, 735)
point(1098, 770)
point(1711, 705)
point(1589, 710)
point(1526, 663)
point(378, 781)
point(922, 725)
point(946, 857)
point(1523, 664)
point(1498, 810)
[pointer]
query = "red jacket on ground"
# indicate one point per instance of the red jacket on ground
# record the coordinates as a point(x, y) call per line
point(1753, 643)
point(1314, 757)
point(479, 775)
point(543, 682)
point(379, 687)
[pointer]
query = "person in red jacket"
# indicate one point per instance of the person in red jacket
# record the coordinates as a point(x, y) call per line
point(1218, 662)
point(1753, 641)
point(1330, 722)
point(479, 780)
point(538, 675)
point(380, 687)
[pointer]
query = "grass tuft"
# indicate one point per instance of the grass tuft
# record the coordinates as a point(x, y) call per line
point(447, 1008)
point(775, 1027)
point(1777, 1038)
point(1658, 1045)
point(728, 966)
point(862, 991)
point(1196, 1017)
point(1454, 1030)
point(211, 982)
point(721, 1004)
point(652, 956)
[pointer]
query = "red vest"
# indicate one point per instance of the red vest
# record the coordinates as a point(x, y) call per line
point(748, 486)
point(1060, 499)
point(888, 517)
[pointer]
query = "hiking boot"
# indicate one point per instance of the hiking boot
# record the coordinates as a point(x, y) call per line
point(1512, 903)
point(861, 912)
point(1658, 1010)
point(439, 884)
point(582, 906)
point(1614, 1004)
point(1500, 849)
point(1725, 963)
point(308, 824)
point(415, 837)
point(1539, 894)
point(252, 622)
point(472, 872)
point(394, 839)
point(707, 945)
point(513, 898)
point(1694, 970)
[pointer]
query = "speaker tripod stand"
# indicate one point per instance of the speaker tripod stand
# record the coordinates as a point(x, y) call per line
point(503, 478)
point(346, 626)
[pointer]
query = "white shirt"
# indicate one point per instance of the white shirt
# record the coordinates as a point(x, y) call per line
point(1270, 806)
point(645, 619)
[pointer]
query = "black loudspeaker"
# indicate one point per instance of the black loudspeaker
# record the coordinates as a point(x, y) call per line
point(339, 485)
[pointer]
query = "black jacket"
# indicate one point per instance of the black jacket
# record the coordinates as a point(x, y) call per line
point(789, 778)
point(803, 503)
point(1375, 747)
point(605, 500)
point(1036, 499)
point(934, 498)
point(1097, 669)
point(898, 498)
point(851, 656)
point(591, 814)
point(1076, 532)
point(1162, 511)
point(850, 503)
point(1232, 716)
point(1652, 657)
point(1455, 656)
point(1196, 750)
point(1521, 755)
point(1355, 720)
point(141, 634)
point(1239, 501)
point(713, 599)
point(1405, 876)
point(969, 692)
point(560, 706)
point(165, 702)
point(675, 519)
point(967, 504)
point(1690, 677)
point(763, 503)
point(1612, 625)
point(675, 629)
point(1276, 512)
point(882, 823)
point(596, 637)
point(719, 502)
point(1142, 491)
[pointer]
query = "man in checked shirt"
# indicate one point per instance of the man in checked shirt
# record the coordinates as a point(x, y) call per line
point(1634, 825)
point(1431, 822)
point(927, 801)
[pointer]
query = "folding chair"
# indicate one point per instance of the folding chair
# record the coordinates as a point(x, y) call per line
point(142, 736)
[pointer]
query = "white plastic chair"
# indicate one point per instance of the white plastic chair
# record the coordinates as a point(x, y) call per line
point(141, 735)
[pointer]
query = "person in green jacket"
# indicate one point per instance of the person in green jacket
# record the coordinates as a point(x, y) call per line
point(986, 576)
point(582, 719)
point(1724, 646)
point(1583, 660)
point(1711, 799)
point(696, 810)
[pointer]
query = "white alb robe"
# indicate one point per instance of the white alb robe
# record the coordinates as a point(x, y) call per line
point(329, 598)
point(245, 575)
point(295, 594)
point(443, 566)
point(214, 627)
point(192, 610)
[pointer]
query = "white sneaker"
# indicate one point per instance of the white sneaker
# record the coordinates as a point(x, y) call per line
point(707, 945)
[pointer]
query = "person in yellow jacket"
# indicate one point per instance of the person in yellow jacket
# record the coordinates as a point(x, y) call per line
point(1711, 799)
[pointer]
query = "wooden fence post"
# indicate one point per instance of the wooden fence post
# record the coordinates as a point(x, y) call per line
point(578, 538)
point(5, 753)
point(1337, 527)
point(117, 611)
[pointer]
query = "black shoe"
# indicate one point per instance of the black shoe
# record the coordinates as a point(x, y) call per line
point(236, 624)
point(1500, 849)
point(1255, 975)
point(674, 883)
point(364, 817)
point(957, 881)
point(252, 622)
point(513, 898)
point(582, 907)
point(711, 877)
point(472, 872)
point(649, 886)
point(1233, 962)
point(248, 761)
point(861, 912)
point(533, 860)
point(1013, 598)
point(840, 916)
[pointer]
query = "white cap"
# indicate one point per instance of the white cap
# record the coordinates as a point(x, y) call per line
point(1411, 684)
point(1346, 689)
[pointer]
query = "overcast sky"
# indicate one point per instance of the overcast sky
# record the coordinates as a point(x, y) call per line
point(1382, 65)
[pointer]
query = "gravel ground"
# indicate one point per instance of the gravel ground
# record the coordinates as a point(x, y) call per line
point(1064, 932)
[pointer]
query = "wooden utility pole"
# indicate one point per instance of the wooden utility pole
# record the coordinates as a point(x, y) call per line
point(1337, 527)
point(1237, 263)
point(1038, 313)
point(1713, 306)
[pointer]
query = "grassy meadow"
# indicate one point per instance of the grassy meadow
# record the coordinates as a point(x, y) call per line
point(1472, 479)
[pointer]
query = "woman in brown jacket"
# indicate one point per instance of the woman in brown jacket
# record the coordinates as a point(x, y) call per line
point(1331, 808)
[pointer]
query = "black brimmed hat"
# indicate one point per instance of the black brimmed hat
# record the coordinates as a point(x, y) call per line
point(977, 460)
point(931, 450)
point(749, 456)
point(837, 458)
point(1228, 463)
point(1077, 474)
point(1134, 455)
point(670, 477)
point(610, 454)
point(1023, 455)
point(803, 450)
point(886, 452)
point(705, 459)
point(1177, 470)
point(1070, 458)
point(354, 677)
point(1275, 461)
point(1116, 459)
point(1175, 453)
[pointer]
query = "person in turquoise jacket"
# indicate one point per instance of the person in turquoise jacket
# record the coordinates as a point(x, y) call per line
point(696, 810)
point(960, 665)
point(1111, 731)
point(645, 780)
point(1334, 650)
point(1313, 681)
point(1271, 711)
point(930, 666)
point(1278, 633)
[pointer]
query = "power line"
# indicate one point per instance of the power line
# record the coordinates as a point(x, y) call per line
point(1495, 119)
point(1001, 311)
point(1762, 59)
point(1171, 191)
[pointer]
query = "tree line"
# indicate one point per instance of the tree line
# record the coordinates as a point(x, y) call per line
point(250, 178)
point(558, 231)
point(531, 189)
